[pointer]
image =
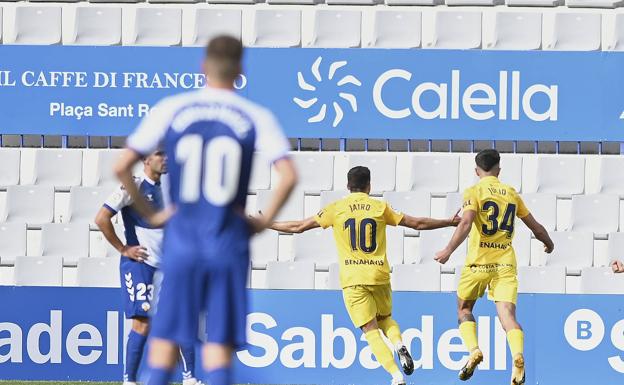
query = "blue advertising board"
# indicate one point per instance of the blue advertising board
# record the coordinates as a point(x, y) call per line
point(327, 93)
point(305, 337)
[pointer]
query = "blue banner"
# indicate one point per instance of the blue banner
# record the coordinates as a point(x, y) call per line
point(305, 337)
point(328, 93)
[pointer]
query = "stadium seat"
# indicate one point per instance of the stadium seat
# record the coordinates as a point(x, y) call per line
point(514, 30)
point(351, 2)
point(290, 275)
point(12, 242)
point(511, 171)
point(394, 245)
point(382, 169)
point(333, 278)
point(328, 197)
point(260, 173)
point(573, 31)
point(615, 37)
point(316, 246)
point(435, 174)
point(276, 28)
point(104, 175)
point(534, 3)
point(543, 207)
point(414, 203)
point(542, 280)
point(561, 175)
point(416, 277)
point(522, 247)
point(597, 213)
point(151, 26)
point(615, 246)
point(336, 29)
point(84, 203)
point(611, 180)
point(453, 202)
point(200, 25)
point(103, 249)
point(30, 204)
point(59, 168)
point(69, 241)
point(98, 272)
point(264, 248)
point(38, 271)
point(92, 25)
point(452, 29)
point(475, 2)
point(414, 2)
point(32, 25)
point(292, 210)
point(9, 165)
point(312, 168)
point(432, 241)
point(573, 250)
point(601, 280)
point(396, 29)
point(594, 3)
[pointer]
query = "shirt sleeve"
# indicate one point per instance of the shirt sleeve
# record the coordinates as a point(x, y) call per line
point(270, 140)
point(152, 129)
point(118, 200)
point(470, 200)
point(325, 217)
point(391, 216)
point(521, 209)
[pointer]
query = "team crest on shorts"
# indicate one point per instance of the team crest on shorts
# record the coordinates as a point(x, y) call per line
point(145, 306)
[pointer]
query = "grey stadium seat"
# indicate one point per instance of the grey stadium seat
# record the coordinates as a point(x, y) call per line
point(264, 248)
point(38, 271)
point(601, 280)
point(276, 28)
point(544, 279)
point(522, 247)
point(615, 40)
point(534, 3)
point(433, 173)
point(333, 279)
point(394, 245)
point(516, 31)
point(94, 25)
point(260, 173)
point(454, 29)
point(98, 272)
point(36, 25)
point(12, 242)
point(290, 275)
point(59, 168)
point(573, 250)
point(475, 2)
point(328, 197)
point(84, 203)
point(200, 25)
point(615, 246)
point(316, 246)
point(543, 207)
point(155, 27)
point(9, 165)
point(397, 29)
point(561, 175)
point(69, 241)
point(453, 202)
point(315, 170)
point(572, 31)
point(416, 277)
point(292, 209)
point(103, 248)
point(611, 180)
point(336, 29)
point(432, 241)
point(104, 171)
point(594, 3)
point(30, 204)
point(414, 203)
point(382, 169)
point(597, 213)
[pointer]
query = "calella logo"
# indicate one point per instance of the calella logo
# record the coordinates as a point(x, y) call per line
point(321, 107)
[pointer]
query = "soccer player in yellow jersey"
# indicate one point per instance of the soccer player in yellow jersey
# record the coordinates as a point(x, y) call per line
point(359, 224)
point(489, 212)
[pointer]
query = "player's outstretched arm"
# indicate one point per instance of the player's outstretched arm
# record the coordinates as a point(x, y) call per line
point(540, 232)
point(103, 220)
point(422, 223)
point(617, 266)
point(295, 227)
point(459, 236)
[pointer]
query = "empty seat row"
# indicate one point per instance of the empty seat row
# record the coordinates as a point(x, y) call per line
point(386, 27)
point(48, 271)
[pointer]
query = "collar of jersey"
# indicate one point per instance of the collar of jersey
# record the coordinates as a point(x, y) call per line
point(149, 180)
point(487, 179)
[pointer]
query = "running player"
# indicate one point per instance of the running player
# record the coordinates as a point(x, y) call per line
point(140, 257)
point(359, 224)
point(489, 212)
point(210, 136)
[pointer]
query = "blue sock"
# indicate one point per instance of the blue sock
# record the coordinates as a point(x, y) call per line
point(219, 376)
point(134, 353)
point(187, 357)
point(158, 376)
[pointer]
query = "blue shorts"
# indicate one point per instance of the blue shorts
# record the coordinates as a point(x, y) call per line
point(193, 287)
point(137, 286)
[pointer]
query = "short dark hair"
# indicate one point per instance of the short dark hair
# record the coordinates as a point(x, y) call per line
point(358, 178)
point(486, 160)
point(225, 53)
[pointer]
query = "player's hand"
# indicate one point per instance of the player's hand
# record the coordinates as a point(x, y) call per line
point(442, 256)
point(549, 248)
point(617, 266)
point(136, 253)
point(455, 219)
point(160, 218)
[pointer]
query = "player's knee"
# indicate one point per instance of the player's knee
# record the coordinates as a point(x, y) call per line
point(370, 325)
point(140, 325)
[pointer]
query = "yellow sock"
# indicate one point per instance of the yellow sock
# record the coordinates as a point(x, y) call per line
point(391, 329)
point(384, 355)
point(468, 331)
point(515, 339)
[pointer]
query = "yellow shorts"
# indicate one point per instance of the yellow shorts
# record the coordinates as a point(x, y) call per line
point(365, 302)
point(500, 280)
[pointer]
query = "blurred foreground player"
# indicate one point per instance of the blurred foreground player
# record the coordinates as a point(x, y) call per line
point(209, 136)
point(140, 257)
point(490, 209)
point(617, 266)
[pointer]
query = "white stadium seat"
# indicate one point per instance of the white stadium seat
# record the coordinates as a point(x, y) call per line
point(522, 247)
point(351, 2)
point(394, 245)
point(511, 171)
point(572, 31)
point(414, 203)
point(611, 180)
point(328, 197)
point(333, 279)
point(615, 246)
point(98, 272)
point(416, 277)
point(290, 275)
point(92, 25)
point(200, 25)
point(104, 175)
point(432, 241)
point(150, 26)
point(453, 29)
point(414, 2)
point(514, 31)
point(84, 203)
point(316, 246)
point(104, 249)
point(436, 174)
point(561, 175)
point(292, 210)
point(38, 271)
point(276, 28)
point(597, 213)
point(543, 207)
point(69, 241)
point(382, 169)
point(314, 171)
point(534, 3)
point(601, 280)
point(594, 3)
point(30, 204)
point(264, 248)
point(33, 25)
point(260, 173)
point(397, 29)
point(336, 29)
point(573, 250)
point(542, 280)
point(59, 168)
point(475, 2)
point(9, 165)
point(615, 37)
point(12, 242)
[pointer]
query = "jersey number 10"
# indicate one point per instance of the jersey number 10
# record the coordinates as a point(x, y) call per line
point(350, 225)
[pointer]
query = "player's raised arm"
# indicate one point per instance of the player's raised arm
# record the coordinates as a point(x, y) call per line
point(296, 227)
point(459, 236)
point(423, 223)
point(540, 232)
